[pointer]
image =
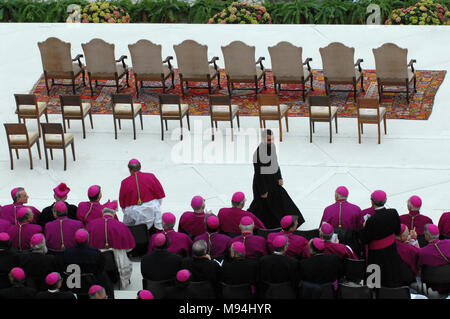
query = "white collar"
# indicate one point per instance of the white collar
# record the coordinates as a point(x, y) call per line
point(379, 208)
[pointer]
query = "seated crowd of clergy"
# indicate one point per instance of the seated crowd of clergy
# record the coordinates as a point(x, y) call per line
point(222, 248)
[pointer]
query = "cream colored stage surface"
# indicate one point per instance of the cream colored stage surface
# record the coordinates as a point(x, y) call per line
point(413, 158)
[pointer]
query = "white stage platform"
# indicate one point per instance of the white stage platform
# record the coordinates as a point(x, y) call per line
point(412, 158)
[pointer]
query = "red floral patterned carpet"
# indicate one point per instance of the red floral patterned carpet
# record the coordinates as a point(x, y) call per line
point(419, 108)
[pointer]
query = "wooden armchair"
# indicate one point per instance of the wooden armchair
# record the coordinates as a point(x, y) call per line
point(391, 68)
point(221, 109)
point(370, 112)
point(102, 64)
point(289, 68)
point(29, 108)
point(19, 138)
point(55, 138)
point(73, 108)
point(269, 108)
point(320, 110)
point(339, 67)
point(149, 66)
point(241, 67)
point(193, 65)
point(57, 63)
point(171, 108)
point(124, 108)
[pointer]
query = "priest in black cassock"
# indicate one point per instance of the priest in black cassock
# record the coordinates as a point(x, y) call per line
point(271, 202)
point(379, 235)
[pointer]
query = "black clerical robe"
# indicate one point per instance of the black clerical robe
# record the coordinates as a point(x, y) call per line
point(379, 236)
point(266, 178)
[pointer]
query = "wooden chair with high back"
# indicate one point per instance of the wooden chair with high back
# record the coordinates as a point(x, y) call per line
point(125, 109)
point(148, 65)
point(193, 65)
point(54, 138)
point(73, 108)
point(29, 108)
point(339, 67)
point(57, 63)
point(289, 68)
point(221, 109)
point(370, 112)
point(171, 108)
point(19, 138)
point(101, 63)
point(391, 68)
point(320, 110)
point(269, 109)
point(241, 67)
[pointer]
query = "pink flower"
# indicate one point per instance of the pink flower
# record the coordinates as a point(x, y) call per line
point(223, 22)
point(259, 17)
point(107, 16)
point(85, 20)
point(111, 20)
point(117, 14)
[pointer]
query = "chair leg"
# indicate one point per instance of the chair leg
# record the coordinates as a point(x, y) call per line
point(90, 119)
point(415, 80)
point(188, 121)
point(303, 91)
point(39, 149)
point(165, 122)
point(264, 123)
point(310, 131)
point(239, 125)
point(51, 154)
point(407, 92)
point(287, 124)
point(115, 128)
point(31, 158)
point(84, 128)
point(335, 123)
point(354, 89)
point(68, 123)
point(46, 157)
point(64, 124)
point(314, 127)
point(73, 150)
point(331, 131)
point(134, 129)
point(120, 125)
point(281, 131)
point(181, 128)
point(212, 128)
point(260, 123)
point(231, 122)
point(379, 133)
point(384, 122)
point(216, 125)
point(39, 126)
point(17, 153)
point(11, 158)
point(162, 130)
point(362, 128)
point(46, 116)
point(141, 118)
point(65, 159)
point(359, 133)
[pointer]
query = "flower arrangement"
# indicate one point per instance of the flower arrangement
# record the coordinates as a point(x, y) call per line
point(104, 12)
point(424, 12)
point(242, 13)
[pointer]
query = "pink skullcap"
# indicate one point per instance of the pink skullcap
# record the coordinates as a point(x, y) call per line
point(145, 294)
point(22, 211)
point(286, 221)
point(433, 229)
point(379, 196)
point(111, 205)
point(159, 240)
point(14, 192)
point(415, 201)
point(52, 278)
point(60, 207)
point(36, 239)
point(246, 221)
point(342, 190)
point(18, 273)
point(326, 229)
point(168, 218)
point(238, 247)
point(183, 275)
point(197, 201)
point(93, 190)
point(4, 237)
point(238, 197)
point(81, 236)
point(61, 190)
point(402, 228)
point(134, 161)
point(212, 222)
point(94, 289)
point(279, 241)
point(318, 243)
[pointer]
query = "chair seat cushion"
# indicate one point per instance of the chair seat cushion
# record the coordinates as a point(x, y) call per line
point(74, 110)
point(272, 110)
point(399, 80)
point(125, 109)
point(224, 110)
point(346, 79)
point(107, 75)
point(21, 140)
point(323, 111)
point(56, 140)
point(288, 79)
point(152, 76)
point(172, 109)
point(371, 114)
point(201, 77)
point(250, 77)
point(30, 110)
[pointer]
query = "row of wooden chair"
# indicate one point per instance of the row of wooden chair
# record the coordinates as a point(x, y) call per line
point(288, 66)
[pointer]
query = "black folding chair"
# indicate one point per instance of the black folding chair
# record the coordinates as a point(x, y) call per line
point(157, 288)
point(265, 232)
point(352, 291)
point(308, 234)
point(142, 239)
point(393, 293)
point(283, 290)
point(354, 270)
point(204, 289)
point(311, 290)
point(243, 291)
